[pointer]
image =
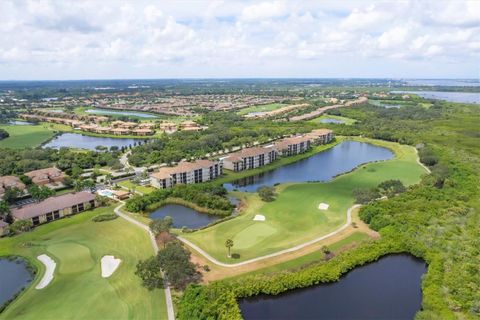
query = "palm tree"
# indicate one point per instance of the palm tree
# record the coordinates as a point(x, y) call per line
point(229, 244)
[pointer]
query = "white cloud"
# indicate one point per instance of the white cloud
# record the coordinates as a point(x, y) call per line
point(235, 38)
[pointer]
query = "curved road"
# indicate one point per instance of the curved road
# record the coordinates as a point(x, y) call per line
point(292, 249)
point(166, 289)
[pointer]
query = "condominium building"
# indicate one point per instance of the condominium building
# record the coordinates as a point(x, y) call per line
point(55, 207)
point(292, 146)
point(320, 136)
point(250, 158)
point(186, 173)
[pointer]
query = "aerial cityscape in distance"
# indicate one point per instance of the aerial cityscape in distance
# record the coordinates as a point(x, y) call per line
point(240, 159)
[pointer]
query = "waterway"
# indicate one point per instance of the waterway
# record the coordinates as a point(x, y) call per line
point(183, 216)
point(14, 276)
point(121, 113)
point(461, 97)
point(322, 166)
point(80, 141)
point(389, 288)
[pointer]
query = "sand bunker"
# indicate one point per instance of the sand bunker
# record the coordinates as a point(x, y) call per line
point(50, 266)
point(259, 217)
point(323, 206)
point(109, 265)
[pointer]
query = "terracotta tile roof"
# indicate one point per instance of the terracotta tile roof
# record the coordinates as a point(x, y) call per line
point(11, 181)
point(52, 204)
point(284, 143)
point(248, 152)
point(44, 174)
point(184, 166)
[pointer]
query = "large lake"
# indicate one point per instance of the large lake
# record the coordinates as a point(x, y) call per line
point(461, 97)
point(387, 289)
point(183, 216)
point(13, 277)
point(121, 113)
point(322, 166)
point(80, 141)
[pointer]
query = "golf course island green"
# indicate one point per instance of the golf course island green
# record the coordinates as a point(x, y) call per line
point(296, 216)
point(78, 290)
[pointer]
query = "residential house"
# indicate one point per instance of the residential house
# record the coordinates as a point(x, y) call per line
point(55, 207)
point(48, 176)
point(10, 182)
point(186, 173)
point(292, 146)
point(250, 158)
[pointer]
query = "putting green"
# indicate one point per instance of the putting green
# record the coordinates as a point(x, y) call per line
point(73, 257)
point(253, 235)
point(295, 216)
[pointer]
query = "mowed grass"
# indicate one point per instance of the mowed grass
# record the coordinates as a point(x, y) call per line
point(25, 136)
point(78, 291)
point(294, 218)
point(131, 186)
point(261, 108)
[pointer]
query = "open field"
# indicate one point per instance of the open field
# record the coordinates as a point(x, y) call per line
point(347, 121)
point(25, 136)
point(294, 218)
point(77, 244)
point(261, 108)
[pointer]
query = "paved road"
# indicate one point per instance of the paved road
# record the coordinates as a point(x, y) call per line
point(168, 295)
point(292, 249)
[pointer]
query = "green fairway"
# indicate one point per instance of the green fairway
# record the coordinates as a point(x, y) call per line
point(25, 136)
point(131, 186)
point(294, 218)
point(78, 291)
point(261, 108)
point(346, 121)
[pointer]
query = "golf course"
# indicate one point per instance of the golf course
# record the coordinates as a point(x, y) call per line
point(25, 136)
point(78, 290)
point(294, 217)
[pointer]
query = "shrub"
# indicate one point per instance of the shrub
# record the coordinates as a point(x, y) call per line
point(105, 217)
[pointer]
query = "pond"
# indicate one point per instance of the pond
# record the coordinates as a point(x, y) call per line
point(387, 289)
point(19, 123)
point(183, 216)
point(80, 141)
point(322, 166)
point(331, 120)
point(14, 276)
point(461, 97)
point(121, 113)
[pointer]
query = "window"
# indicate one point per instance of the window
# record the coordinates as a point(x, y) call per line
point(49, 216)
point(81, 207)
point(56, 214)
point(36, 221)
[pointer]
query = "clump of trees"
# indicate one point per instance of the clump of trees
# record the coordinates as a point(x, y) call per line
point(266, 193)
point(174, 261)
point(388, 188)
point(4, 134)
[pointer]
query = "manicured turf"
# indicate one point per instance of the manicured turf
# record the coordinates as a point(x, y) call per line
point(261, 108)
point(25, 136)
point(294, 218)
point(78, 291)
point(346, 121)
point(143, 189)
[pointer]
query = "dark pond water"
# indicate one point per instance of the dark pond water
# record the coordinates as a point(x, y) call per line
point(123, 113)
point(387, 289)
point(20, 123)
point(322, 166)
point(331, 120)
point(76, 140)
point(13, 277)
point(461, 97)
point(183, 216)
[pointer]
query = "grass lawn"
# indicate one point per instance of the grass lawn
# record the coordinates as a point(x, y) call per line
point(25, 136)
point(78, 291)
point(346, 121)
point(261, 108)
point(294, 218)
point(130, 185)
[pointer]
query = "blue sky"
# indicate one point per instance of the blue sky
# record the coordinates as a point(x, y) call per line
point(202, 39)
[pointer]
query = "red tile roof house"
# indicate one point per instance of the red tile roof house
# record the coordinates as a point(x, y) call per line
point(55, 207)
point(10, 182)
point(52, 177)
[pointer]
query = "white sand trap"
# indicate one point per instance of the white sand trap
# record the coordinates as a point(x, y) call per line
point(259, 217)
point(50, 266)
point(109, 265)
point(323, 206)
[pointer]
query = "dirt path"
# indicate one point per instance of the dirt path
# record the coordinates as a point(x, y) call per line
point(168, 295)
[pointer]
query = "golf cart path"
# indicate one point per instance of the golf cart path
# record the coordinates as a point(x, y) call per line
point(166, 289)
point(292, 249)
